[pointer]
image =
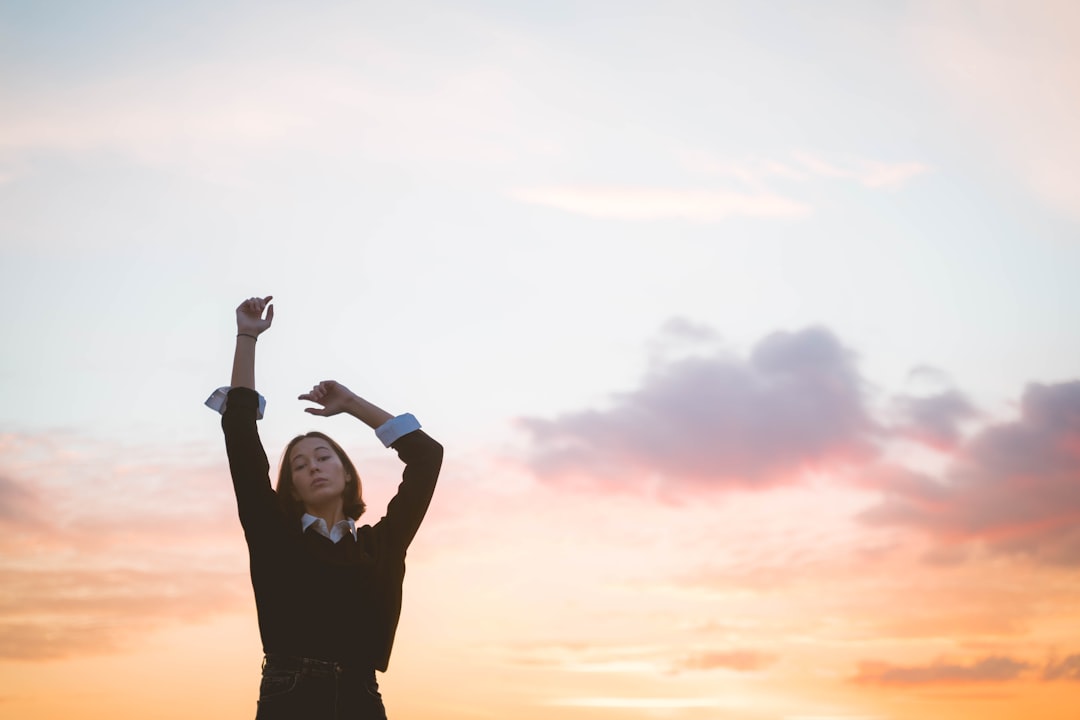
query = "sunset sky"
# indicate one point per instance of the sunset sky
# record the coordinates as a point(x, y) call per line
point(750, 329)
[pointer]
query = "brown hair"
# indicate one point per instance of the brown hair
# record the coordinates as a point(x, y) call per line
point(353, 504)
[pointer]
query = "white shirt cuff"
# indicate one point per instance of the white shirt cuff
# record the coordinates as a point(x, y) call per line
point(394, 428)
point(220, 397)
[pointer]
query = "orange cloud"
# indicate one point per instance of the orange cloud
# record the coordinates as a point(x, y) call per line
point(650, 659)
point(1067, 669)
point(102, 543)
point(991, 669)
point(18, 504)
point(740, 660)
point(47, 614)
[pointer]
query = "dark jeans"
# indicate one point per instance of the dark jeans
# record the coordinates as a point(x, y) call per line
point(306, 689)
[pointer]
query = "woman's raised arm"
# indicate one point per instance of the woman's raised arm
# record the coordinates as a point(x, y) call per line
point(336, 398)
point(250, 323)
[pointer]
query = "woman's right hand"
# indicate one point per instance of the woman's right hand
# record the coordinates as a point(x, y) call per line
point(249, 315)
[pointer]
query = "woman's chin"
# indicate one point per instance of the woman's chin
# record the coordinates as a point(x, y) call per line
point(322, 495)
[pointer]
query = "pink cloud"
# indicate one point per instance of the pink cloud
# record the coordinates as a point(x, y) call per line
point(18, 504)
point(935, 419)
point(796, 403)
point(798, 406)
point(1014, 486)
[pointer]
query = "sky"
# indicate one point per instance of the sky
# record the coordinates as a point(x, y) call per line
point(748, 328)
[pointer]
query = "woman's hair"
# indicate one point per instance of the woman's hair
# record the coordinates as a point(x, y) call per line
point(353, 504)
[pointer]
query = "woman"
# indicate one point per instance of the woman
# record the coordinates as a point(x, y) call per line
point(328, 593)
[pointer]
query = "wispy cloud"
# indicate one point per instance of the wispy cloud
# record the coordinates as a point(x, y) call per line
point(648, 659)
point(748, 190)
point(739, 660)
point(868, 173)
point(102, 542)
point(18, 504)
point(222, 118)
point(91, 609)
point(643, 703)
point(993, 669)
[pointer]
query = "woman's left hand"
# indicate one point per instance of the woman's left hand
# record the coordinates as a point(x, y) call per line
point(333, 396)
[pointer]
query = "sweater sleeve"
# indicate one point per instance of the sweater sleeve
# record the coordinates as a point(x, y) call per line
point(255, 499)
point(422, 456)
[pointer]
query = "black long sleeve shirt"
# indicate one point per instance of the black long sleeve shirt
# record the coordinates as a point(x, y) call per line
point(315, 598)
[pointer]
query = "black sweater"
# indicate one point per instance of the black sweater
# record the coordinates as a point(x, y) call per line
point(316, 598)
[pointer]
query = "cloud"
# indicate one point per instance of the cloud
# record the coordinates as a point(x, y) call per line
point(643, 703)
point(18, 505)
point(579, 657)
point(49, 640)
point(796, 407)
point(644, 659)
point(253, 99)
point(991, 669)
point(210, 121)
point(47, 613)
point(751, 196)
point(739, 660)
point(934, 420)
point(796, 404)
point(1067, 669)
point(1014, 486)
point(103, 542)
point(654, 203)
point(868, 173)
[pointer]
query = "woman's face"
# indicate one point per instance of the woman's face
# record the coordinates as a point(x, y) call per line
point(317, 473)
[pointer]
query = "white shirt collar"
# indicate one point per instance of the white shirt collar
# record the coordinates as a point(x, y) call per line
point(335, 533)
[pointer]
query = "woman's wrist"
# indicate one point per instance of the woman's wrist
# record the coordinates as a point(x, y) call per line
point(367, 412)
point(253, 336)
